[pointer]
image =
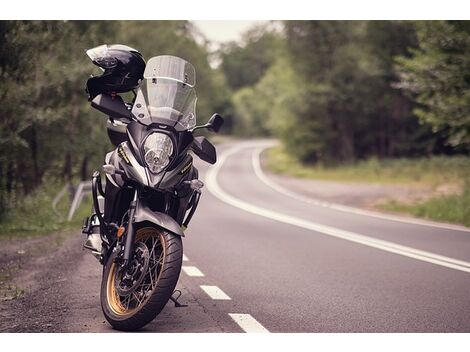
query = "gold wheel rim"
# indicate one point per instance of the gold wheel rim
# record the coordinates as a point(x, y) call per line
point(116, 302)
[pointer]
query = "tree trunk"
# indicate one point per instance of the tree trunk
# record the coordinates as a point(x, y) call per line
point(84, 168)
point(34, 154)
point(71, 130)
point(67, 170)
point(10, 177)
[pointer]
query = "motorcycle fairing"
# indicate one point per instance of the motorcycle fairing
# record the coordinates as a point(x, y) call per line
point(143, 213)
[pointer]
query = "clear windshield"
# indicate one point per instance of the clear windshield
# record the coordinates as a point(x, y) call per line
point(167, 92)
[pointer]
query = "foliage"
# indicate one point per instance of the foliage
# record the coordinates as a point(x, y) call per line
point(424, 171)
point(428, 172)
point(331, 93)
point(34, 214)
point(437, 76)
point(47, 129)
point(245, 63)
point(452, 208)
point(242, 65)
point(353, 111)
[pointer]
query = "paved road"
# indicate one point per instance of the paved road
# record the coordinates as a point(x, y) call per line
point(300, 275)
point(274, 261)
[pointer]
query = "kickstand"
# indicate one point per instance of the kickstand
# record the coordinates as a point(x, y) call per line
point(175, 300)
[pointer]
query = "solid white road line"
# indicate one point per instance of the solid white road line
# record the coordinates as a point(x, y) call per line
point(192, 271)
point(185, 258)
point(248, 323)
point(214, 188)
point(215, 293)
point(255, 160)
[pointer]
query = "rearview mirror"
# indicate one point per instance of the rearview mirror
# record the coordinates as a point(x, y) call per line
point(215, 123)
point(204, 149)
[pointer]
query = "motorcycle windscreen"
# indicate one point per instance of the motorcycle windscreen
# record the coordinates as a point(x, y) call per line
point(167, 94)
point(171, 67)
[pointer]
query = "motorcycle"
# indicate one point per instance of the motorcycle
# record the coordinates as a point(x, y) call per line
point(152, 191)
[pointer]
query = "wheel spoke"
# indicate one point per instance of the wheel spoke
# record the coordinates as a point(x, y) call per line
point(125, 302)
point(151, 259)
point(150, 273)
point(137, 298)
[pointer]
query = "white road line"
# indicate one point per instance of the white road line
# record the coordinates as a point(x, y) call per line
point(192, 271)
point(214, 188)
point(215, 293)
point(255, 160)
point(248, 323)
point(185, 258)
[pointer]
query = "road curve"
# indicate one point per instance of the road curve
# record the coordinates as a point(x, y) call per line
point(259, 258)
point(303, 267)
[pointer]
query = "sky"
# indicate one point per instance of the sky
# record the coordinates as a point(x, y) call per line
point(223, 31)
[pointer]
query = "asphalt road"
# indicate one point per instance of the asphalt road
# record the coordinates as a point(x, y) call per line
point(296, 266)
point(273, 261)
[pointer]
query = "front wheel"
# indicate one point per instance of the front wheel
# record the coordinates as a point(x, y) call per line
point(133, 297)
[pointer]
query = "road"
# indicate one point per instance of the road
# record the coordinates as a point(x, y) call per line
point(296, 279)
point(259, 258)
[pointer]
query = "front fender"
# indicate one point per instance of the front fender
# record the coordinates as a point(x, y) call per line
point(161, 220)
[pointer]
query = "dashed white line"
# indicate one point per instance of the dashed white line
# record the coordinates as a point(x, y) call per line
point(248, 323)
point(215, 189)
point(215, 293)
point(185, 258)
point(192, 271)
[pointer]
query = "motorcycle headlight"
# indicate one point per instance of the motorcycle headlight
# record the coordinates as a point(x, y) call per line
point(158, 148)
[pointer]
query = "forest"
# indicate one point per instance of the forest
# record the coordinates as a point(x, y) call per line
point(333, 92)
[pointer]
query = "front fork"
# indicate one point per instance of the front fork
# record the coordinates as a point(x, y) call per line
point(130, 235)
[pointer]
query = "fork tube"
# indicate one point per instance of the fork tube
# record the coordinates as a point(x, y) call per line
point(129, 243)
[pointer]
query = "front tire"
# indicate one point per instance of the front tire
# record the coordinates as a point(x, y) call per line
point(158, 256)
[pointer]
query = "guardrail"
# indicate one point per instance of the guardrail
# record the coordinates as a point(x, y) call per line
point(81, 189)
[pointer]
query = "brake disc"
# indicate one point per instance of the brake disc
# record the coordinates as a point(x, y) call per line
point(129, 279)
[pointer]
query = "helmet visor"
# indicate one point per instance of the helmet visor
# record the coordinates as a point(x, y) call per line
point(101, 56)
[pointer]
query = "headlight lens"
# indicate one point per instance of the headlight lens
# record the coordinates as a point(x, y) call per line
point(158, 148)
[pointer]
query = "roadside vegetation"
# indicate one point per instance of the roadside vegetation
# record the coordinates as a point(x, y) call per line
point(435, 172)
point(376, 101)
point(371, 101)
point(427, 171)
point(33, 215)
point(452, 208)
point(49, 135)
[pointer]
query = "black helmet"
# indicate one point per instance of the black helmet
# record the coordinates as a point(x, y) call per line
point(123, 69)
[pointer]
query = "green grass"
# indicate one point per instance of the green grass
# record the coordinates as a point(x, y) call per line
point(453, 208)
point(33, 215)
point(430, 172)
point(422, 171)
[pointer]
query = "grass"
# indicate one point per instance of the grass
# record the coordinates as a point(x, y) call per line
point(33, 215)
point(430, 172)
point(423, 171)
point(452, 208)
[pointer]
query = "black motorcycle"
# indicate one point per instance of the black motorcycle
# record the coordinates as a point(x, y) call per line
point(152, 188)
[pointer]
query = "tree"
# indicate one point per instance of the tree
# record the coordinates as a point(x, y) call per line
point(437, 76)
point(245, 63)
point(47, 129)
point(349, 73)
